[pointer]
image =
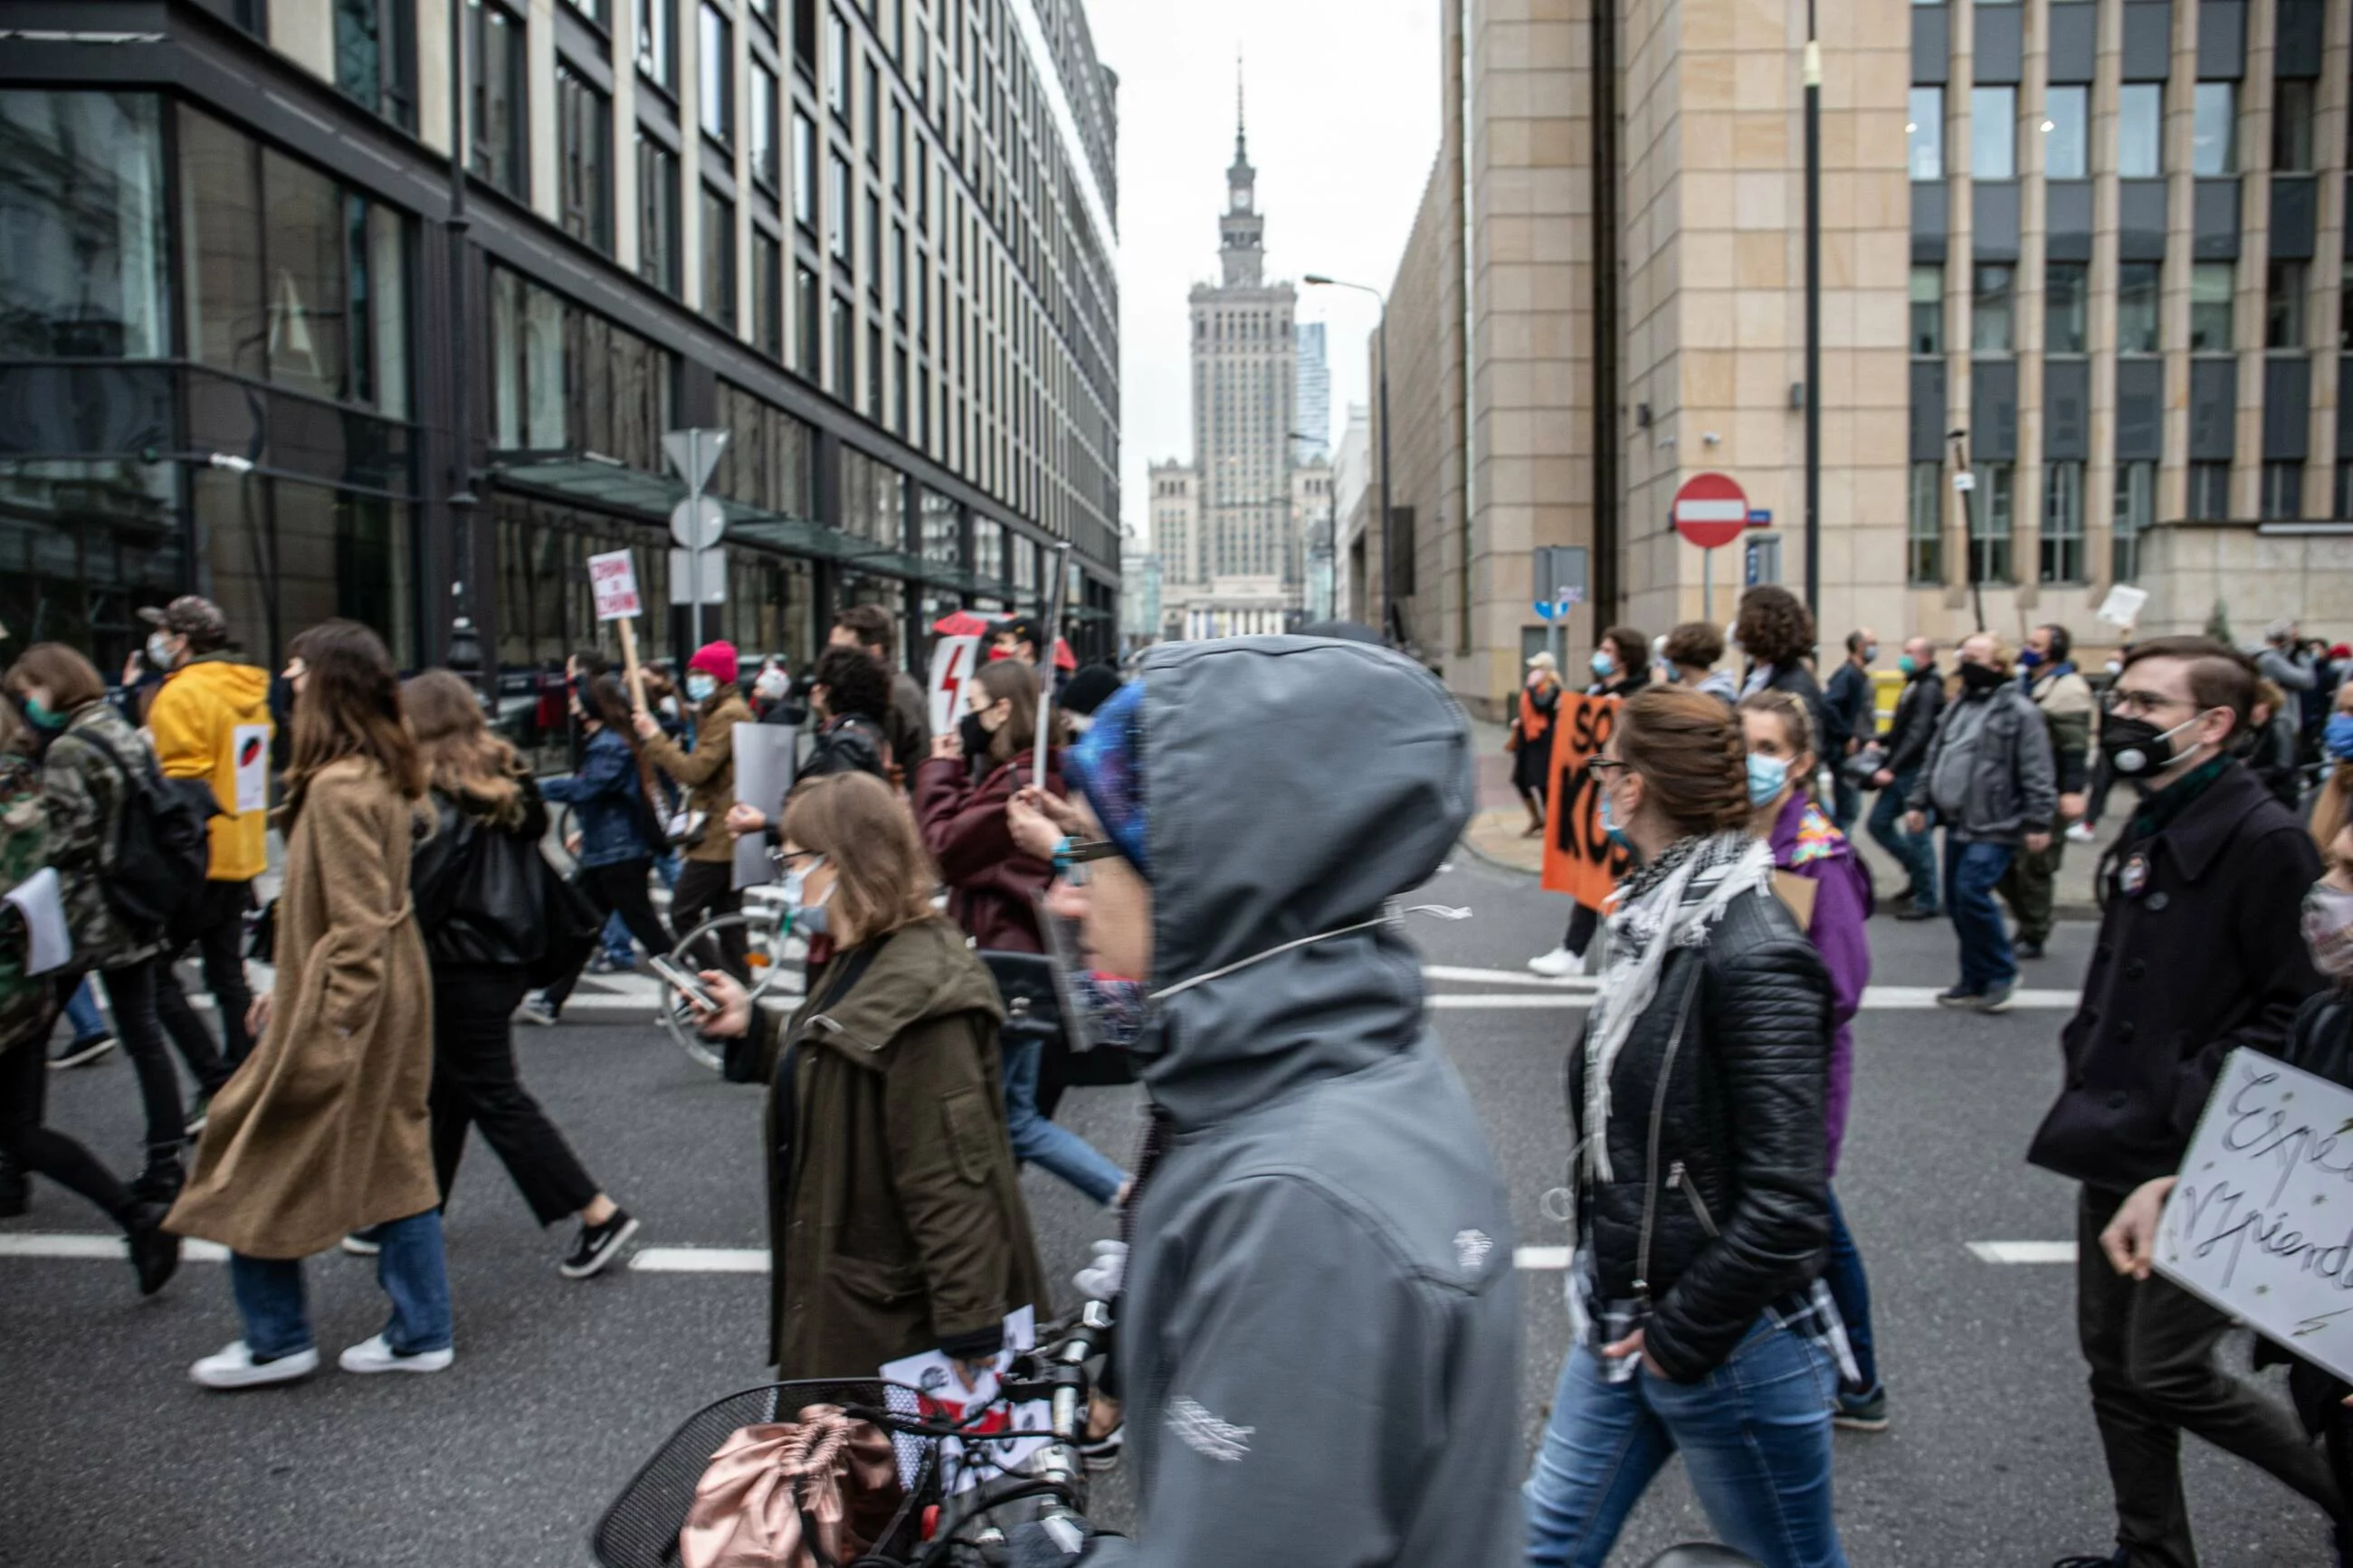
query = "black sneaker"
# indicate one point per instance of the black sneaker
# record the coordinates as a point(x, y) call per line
point(160, 1182)
point(2028, 950)
point(1958, 997)
point(15, 1191)
point(1914, 912)
point(1994, 1000)
point(2115, 1558)
point(1862, 1412)
point(154, 1251)
point(82, 1052)
point(597, 1244)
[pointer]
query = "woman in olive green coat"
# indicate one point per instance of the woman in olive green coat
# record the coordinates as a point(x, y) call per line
point(896, 1224)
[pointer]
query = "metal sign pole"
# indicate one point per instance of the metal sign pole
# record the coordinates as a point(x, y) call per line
point(1051, 632)
point(694, 556)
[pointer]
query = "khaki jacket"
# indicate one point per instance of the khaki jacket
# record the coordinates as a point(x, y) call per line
point(896, 1224)
point(323, 1130)
point(708, 772)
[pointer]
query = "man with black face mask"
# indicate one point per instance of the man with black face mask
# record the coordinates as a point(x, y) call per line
point(2199, 953)
point(1990, 778)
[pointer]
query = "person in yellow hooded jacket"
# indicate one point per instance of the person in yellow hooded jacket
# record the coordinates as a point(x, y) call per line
point(210, 721)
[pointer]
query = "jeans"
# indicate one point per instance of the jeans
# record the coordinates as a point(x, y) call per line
point(1755, 1435)
point(1846, 801)
point(132, 991)
point(1915, 852)
point(410, 1269)
point(81, 1012)
point(1055, 1150)
point(1971, 870)
point(219, 938)
point(2151, 1348)
point(1850, 1290)
point(475, 1085)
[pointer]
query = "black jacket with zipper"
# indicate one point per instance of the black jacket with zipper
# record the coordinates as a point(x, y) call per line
point(1917, 709)
point(1719, 1201)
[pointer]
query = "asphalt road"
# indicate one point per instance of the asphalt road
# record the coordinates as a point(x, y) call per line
point(110, 1457)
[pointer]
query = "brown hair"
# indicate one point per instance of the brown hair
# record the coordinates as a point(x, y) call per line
point(1691, 754)
point(863, 828)
point(460, 754)
point(1797, 726)
point(870, 625)
point(1014, 681)
point(1774, 626)
point(348, 706)
point(73, 680)
point(1630, 647)
point(609, 706)
point(2220, 675)
point(1694, 643)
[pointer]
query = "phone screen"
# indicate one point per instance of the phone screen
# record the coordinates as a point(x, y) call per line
point(685, 982)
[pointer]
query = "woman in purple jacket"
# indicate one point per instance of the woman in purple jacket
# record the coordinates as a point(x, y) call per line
point(1826, 887)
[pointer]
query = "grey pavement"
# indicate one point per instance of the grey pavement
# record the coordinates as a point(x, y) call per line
point(560, 1389)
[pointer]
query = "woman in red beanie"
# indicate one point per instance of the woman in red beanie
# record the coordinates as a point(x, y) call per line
point(706, 881)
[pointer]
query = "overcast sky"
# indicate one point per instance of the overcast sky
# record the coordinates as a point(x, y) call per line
point(1343, 105)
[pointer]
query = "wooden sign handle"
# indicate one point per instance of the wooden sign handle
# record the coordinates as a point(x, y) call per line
point(637, 672)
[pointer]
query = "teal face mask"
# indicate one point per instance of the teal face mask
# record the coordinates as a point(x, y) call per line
point(38, 715)
point(1908, 664)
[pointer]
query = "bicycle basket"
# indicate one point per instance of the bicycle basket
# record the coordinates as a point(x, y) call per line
point(640, 1529)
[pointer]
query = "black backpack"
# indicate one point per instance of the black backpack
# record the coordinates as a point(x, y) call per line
point(162, 849)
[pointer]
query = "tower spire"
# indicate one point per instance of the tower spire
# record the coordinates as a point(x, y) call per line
point(1241, 133)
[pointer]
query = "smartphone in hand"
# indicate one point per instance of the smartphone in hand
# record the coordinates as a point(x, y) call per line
point(685, 981)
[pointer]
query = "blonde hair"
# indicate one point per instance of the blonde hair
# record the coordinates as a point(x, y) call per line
point(1797, 728)
point(883, 875)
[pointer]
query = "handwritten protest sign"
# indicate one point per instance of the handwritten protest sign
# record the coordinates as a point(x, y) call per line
point(613, 579)
point(2261, 1224)
point(1579, 859)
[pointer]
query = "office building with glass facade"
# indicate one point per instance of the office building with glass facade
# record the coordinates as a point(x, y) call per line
point(244, 350)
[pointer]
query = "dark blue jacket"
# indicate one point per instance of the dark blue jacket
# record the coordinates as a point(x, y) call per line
point(606, 798)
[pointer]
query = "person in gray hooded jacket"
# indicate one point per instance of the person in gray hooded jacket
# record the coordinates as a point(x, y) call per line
point(1319, 1335)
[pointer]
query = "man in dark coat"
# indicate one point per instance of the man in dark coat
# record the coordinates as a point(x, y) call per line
point(908, 718)
point(1852, 703)
point(1916, 712)
point(2200, 953)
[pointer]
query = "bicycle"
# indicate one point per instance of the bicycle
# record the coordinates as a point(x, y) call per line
point(932, 1526)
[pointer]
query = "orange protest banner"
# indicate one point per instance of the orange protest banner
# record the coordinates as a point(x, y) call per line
point(1579, 859)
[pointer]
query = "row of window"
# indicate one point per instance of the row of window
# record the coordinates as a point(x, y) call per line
point(2066, 308)
point(2064, 130)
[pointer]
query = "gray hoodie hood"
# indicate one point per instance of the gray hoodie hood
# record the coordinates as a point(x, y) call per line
point(1292, 786)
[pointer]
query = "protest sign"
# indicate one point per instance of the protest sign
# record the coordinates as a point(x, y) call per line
point(764, 757)
point(613, 579)
point(952, 662)
point(2260, 1223)
point(1579, 859)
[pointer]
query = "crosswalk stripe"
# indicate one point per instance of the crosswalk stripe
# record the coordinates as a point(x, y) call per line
point(48, 1243)
point(2023, 1251)
point(1875, 999)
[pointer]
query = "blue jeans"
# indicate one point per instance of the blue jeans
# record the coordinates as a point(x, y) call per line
point(409, 1267)
point(1850, 1289)
point(81, 1011)
point(1972, 869)
point(1915, 852)
point(1053, 1149)
point(1755, 1435)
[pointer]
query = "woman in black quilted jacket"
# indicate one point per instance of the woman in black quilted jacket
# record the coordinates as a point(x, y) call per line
point(1697, 1098)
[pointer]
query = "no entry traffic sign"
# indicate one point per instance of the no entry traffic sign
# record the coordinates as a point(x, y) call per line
point(1711, 511)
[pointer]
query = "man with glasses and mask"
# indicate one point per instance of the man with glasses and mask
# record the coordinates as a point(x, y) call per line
point(2199, 953)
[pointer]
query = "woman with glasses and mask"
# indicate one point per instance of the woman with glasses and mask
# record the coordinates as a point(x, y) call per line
point(1698, 1097)
point(896, 1224)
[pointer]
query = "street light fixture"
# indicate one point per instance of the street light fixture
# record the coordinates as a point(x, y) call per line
point(1389, 623)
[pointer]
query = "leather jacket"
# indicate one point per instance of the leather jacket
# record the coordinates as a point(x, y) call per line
point(1719, 1201)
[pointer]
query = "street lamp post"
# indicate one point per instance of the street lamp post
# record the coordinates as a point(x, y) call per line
point(1381, 334)
point(465, 642)
point(1813, 116)
point(1965, 482)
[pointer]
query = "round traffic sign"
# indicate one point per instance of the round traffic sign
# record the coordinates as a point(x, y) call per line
point(697, 524)
point(1711, 511)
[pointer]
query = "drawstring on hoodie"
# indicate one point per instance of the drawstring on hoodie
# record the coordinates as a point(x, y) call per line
point(1393, 915)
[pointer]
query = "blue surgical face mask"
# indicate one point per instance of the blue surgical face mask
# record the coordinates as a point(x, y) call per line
point(700, 686)
point(806, 918)
point(2338, 736)
point(1767, 776)
point(1610, 826)
point(1603, 665)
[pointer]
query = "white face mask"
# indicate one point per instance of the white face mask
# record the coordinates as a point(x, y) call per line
point(807, 917)
point(159, 651)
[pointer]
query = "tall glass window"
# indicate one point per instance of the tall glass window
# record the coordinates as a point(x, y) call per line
point(839, 215)
point(2140, 130)
point(564, 377)
point(2066, 303)
point(81, 208)
point(2214, 130)
point(2136, 306)
point(1924, 134)
point(376, 57)
point(1993, 132)
point(765, 164)
point(2209, 307)
point(1928, 312)
point(2135, 513)
point(804, 171)
point(657, 42)
point(715, 77)
point(1990, 525)
point(719, 258)
point(2210, 492)
point(767, 293)
point(808, 332)
point(2284, 292)
point(2066, 119)
point(1990, 332)
point(845, 349)
point(1924, 533)
point(585, 122)
point(2283, 497)
point(2062, 522)
point(658, 195)
point(2292, 125)
point(837, 65)
point(498, 108)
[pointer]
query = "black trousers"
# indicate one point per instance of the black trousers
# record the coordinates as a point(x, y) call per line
point(218, 937)
point(1582, 925)
point(621, 885)
point(476, 1084)
point(2151, 1348)
point(130, 990)
point(29, 1145)
point(706, 889)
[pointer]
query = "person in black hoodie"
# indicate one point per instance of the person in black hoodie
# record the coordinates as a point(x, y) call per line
point(478, 884)
point(1916, 712)
point(1776, 632)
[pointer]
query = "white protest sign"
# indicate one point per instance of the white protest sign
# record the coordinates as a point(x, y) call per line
point(952, 662)
point(2123, 605)
point(763, 776)
point(2260, 1223)
point(613, 579)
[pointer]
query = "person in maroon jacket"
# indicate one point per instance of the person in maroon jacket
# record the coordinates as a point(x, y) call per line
point(994, 887)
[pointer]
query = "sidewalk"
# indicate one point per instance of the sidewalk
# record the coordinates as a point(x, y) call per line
point(1496, 829)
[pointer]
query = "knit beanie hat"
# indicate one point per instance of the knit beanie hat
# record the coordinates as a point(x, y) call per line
point(716, 659)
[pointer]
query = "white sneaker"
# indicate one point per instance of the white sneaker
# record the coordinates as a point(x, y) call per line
point(233, 1366)
point(1558, 964)
point(2082, 833)
point(374, 1355)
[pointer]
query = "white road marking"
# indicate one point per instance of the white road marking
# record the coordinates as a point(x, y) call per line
point(699, 1259)
point(1541, 1258)
point(1875, 999)
point(1505, 977)
point(47, 1243)
point(2023, 1251)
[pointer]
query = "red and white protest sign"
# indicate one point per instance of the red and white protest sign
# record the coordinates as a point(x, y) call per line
point(613, 578)
point(952, 662)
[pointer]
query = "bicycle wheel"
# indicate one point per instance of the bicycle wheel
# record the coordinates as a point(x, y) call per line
point(770, 951)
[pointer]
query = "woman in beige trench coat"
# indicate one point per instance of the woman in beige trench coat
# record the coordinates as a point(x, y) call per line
point(325, 1129)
